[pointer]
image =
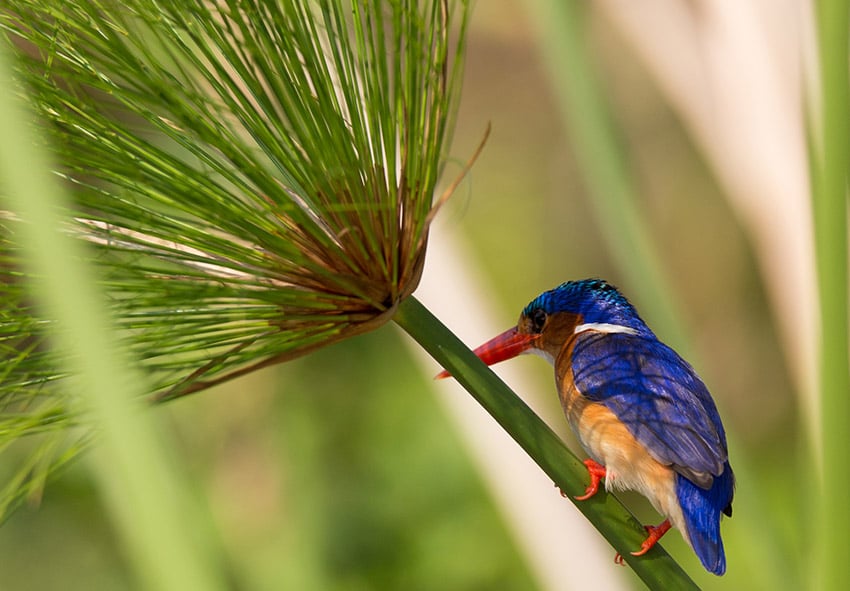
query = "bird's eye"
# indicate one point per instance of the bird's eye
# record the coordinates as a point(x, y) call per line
point(538, 319)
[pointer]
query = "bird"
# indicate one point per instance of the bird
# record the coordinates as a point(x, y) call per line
point(640, 411)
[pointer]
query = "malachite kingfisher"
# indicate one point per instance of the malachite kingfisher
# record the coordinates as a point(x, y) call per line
point(638, 409)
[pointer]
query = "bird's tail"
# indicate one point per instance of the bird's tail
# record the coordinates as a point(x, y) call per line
point(701, 509)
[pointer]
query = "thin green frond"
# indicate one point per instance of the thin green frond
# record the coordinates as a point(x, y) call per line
point(253, 179)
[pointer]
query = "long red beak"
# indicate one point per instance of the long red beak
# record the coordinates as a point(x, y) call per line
point(507, 345)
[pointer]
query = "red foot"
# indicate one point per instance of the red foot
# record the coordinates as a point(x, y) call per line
point(597, 473)
point(655, 534)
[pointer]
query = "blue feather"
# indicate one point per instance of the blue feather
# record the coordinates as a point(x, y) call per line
point(701, 509)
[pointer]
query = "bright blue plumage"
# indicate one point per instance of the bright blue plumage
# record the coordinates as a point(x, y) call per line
point(668, 409)
point(636, 406)
point(657, 395)
point(617, 362)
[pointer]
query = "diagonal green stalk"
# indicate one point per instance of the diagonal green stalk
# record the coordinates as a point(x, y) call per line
point(831, 156)
point(625, 533)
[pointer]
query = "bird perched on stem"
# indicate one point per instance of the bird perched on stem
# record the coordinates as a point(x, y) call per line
point(639, 410)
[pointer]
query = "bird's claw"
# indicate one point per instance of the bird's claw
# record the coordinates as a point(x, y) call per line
point(655, 533)
point(596, 472)
point(618, 559)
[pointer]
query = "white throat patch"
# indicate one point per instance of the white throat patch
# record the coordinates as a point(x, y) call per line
point(604, 327)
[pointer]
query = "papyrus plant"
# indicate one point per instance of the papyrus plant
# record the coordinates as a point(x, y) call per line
point(252, 180)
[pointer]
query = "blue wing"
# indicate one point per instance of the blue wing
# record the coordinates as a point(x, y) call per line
point(658, 396)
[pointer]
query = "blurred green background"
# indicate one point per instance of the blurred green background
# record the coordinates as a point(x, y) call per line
point(342, 471)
